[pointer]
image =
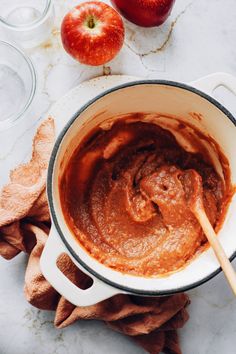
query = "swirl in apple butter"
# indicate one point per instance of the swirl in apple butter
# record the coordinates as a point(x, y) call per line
point(123, 194)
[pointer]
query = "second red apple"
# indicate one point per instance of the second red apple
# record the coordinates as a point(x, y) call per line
point(146, 13)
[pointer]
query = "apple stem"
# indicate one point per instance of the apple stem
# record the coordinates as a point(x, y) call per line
point(91, 22)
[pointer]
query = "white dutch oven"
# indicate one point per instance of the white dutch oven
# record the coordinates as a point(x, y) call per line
point(165, 97)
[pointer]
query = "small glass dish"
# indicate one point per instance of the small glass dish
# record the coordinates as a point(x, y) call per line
point(27, 22)
point(17, 84)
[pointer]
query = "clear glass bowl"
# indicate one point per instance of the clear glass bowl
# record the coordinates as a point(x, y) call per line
point(28, 22)
point(17, 84)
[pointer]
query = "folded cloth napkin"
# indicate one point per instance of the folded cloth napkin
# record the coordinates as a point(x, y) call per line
point(25, 225)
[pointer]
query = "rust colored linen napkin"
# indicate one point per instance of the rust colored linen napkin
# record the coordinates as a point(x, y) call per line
point(25, 225)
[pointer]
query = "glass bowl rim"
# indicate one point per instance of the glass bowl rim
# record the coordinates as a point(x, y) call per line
point(14, 117)
point(31, 25)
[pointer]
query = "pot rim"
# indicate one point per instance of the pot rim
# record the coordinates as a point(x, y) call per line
point(57, 144)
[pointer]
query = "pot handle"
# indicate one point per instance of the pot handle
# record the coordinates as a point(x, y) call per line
point(210, 82)
point(99, 291)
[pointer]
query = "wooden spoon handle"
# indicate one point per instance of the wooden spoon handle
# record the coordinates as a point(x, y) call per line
point(215, 244)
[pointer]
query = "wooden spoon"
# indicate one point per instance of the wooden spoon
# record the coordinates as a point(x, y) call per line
point(192, 183)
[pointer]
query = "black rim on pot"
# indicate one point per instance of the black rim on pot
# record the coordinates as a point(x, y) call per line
point(50, 184)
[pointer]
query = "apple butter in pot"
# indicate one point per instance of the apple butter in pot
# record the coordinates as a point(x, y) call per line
point(123, 197)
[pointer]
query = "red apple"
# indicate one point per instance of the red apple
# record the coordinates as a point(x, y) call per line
point(146, 13)
point(92, 33)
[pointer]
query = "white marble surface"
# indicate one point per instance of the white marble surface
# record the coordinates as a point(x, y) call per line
point(198, 39)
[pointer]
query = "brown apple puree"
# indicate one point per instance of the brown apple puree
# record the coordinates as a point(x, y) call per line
point(123, 198)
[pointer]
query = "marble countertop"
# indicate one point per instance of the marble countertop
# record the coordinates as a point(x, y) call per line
point(198, 39)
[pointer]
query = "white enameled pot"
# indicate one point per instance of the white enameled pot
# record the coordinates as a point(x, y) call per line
point(165, 97)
